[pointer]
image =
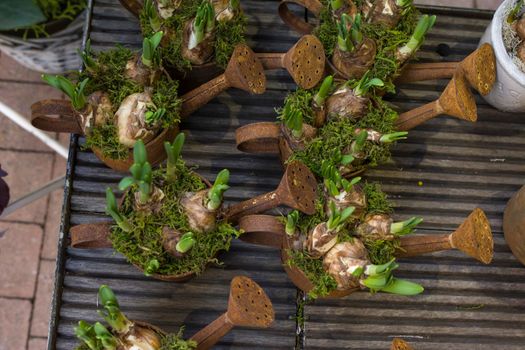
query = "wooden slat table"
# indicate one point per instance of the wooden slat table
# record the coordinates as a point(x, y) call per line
point(461, 165)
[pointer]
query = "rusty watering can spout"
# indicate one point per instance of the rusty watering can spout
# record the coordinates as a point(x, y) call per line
point(244, 71)
point(457, 101)
point(473, 237)
point(479, 68)
point(297, 189)
point(248, 306)
point(305, 61)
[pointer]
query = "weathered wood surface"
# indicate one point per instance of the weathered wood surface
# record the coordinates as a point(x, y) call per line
point(461, 166)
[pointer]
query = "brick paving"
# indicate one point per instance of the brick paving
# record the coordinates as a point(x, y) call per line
point(29, 244)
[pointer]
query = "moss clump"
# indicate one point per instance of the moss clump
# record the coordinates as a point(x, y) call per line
point(174, 341)
point(108, 76)
point(105, 138)
point(301, 100)
point(377, 200)
point(228, 35)
point(144, 243)
point(381, 251)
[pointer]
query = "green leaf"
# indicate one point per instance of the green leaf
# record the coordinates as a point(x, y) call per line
point(185, 243)
point(107, 297)
point(372, 270)
point(403, 287)
point(155, 40)
point(152, 267)
point(139, 152)
point(136, 171)
point(52, 80)
point(111, 202)
point(346, 213)
point(376, 282)
point(347, 159)
point(16, 14)
point(125, 183)
point(222, 178)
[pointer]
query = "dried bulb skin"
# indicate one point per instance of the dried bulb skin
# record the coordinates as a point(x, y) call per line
point(201, 53)
point(200, 218)
point(319, 115)
point(376, 226)
point(355, 198)
point(349, 8)
point(153, 205)
point(170, 238)
point(131, 121)
point(298, 241)
point(166, 10)
point(297, 144)
point(345, 104)
point(98, 111)
point(223, 12)
point(138, 72)
point(520, 27)
point(356, 63)
point(141, 338)
point(342, 260)
point(320, 240)
point(383, 12)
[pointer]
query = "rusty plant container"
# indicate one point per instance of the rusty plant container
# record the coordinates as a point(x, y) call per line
point(473, 237)
point(514, 225)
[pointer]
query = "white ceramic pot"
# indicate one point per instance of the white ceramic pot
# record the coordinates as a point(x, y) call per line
point(508, 93)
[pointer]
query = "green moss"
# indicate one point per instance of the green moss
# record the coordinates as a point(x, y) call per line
point(313, 269)
point(327, 30)
point(174, 341)
point(301, 100)
point(144, 243)
point(82, 346)
point(228, 35)
point(381, 251)
point(105, 138)
point(377, 200)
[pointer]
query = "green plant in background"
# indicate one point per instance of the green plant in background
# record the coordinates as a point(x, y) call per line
point(337, 219)
point(86, 332)
point(150, 54)
point(141, 173)
point(112, 209)
point(293, 119)
point(366, 83)
point(150, 12)
point(291, 222)
point(349, 39)
point(204, 23)
point(111, 310)
point(380, 279)
point(173, 152)
point(321, 95)
point(108, 340)
point(87, 56)
point(425, 23)
point(186, 242)
point(216, 192)
point(74, 92)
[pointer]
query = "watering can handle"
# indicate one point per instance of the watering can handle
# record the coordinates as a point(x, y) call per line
point(43, 116)
point(198, 97)
point(295, 22)
point(427, 71)
point(423, 244)
point(264, 230)
point(258, 138)
point(91, 236)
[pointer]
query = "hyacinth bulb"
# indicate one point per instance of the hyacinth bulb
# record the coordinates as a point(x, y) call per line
point(376, 227)
point(320, 240)
point(131, 119)
point(345, 262)
point(344, 103)
point(200, 218)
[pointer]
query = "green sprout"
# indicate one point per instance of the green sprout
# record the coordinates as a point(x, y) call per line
point(86, 332)
point(204, 23)
point(173, 152)
point(151, 14)
point(405, 227)
point(425, 23)
point(291, 222)
point(366, 83)
point(154, 117)
point(349, 32)
point(112, 209)
point(216, 192)
point(336, 4)
point(334, 182)
point(324, 90)
point(380, 279)
point(513, 14)
point(358, 144)
point(111, 310)
point(151, 267)
point(393, 137)
point(75, 93)
point(108, 340)
point(349, 185)
point(342, 159)
point(150, 54)
point(293, 119)
point(185, 243)
point(337, 219)
point(141, 173)
point(87, 56)
point(403, 3)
